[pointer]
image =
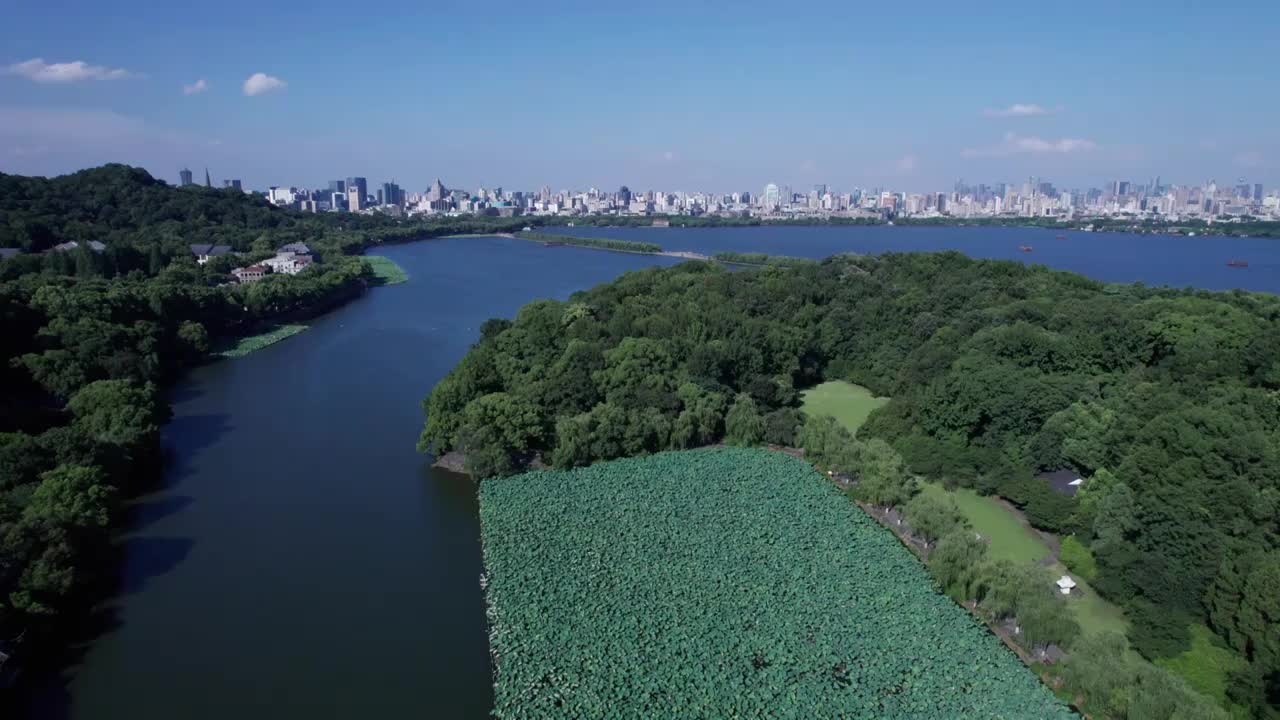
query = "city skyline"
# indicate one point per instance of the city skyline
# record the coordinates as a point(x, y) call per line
point(666, 95)
point(1036, 197)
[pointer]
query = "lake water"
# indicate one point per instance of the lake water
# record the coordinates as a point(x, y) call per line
point(1178, 261)
point(304, 562)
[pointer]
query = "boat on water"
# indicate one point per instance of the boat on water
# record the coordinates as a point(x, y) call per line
point(1059, 237)
point(553, 243)
point(1238, 263)
point(1025, 248)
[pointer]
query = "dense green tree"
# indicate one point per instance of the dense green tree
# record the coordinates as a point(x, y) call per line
point(781, 425)
point(955, 562)
point(701, 418)
point(932, 516)
point(1045, 618)
point(72, 498)
point(882, 477)
point(743, 424)
point(119, 412)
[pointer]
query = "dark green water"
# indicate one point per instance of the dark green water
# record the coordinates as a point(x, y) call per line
point(304, 561)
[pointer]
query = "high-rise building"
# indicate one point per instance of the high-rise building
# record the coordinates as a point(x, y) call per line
point(338, 186)
point(355, 198)
point(184, 176)
point(234, 184)
point(624, 196)
point(1257, 192)
point(1122, 187)
point(438, 192)
point(392, 194)
point(772, 197)
point(362, 186)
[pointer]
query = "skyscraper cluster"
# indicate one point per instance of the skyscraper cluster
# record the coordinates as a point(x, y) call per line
point(1034, 197)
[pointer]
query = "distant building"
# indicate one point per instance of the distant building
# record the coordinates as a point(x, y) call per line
point(235, 184)
point(288, 263)
point(93, 245)
point(203, 253)
point(338, 186)
point(253, 273)
point(355, 198)
point(437, 192)
point(296, 248)
point(771, 197)
point(1064, 481)
point(362, 186)
point(184, 177)
point(392, 194)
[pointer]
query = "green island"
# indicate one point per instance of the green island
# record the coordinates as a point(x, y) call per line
point(646, 248)
point(759, 258)
point(724, 583)
point(998, 374)
point(385, 270)
point(243, 345)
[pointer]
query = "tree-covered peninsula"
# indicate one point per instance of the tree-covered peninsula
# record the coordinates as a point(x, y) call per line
point(102, 304)
point(1164, 400)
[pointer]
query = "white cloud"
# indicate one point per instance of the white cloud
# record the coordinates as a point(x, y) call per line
point(1015, 144)
point(196, 87)
point(1018, 110)
point(37, 70)
point(907, 164)
point(259, 83)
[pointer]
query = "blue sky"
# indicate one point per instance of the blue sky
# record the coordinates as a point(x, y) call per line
point(653, 94)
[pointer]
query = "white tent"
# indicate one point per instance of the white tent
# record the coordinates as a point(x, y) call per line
point(1065, 584)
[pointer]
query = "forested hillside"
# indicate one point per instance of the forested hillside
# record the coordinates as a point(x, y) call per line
point(1165, 399)
point(89, 339)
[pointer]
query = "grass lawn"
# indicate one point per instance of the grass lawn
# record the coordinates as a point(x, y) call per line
point(846, 402)
point(1206, 665)
point(1010, 539)
point(385, 270)
point(242, 346)
point(1014, 541)
point(1095, 613)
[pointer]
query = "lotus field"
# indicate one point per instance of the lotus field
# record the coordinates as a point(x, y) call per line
point(726, 583)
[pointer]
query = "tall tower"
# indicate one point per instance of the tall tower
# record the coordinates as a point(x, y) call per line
point(360, 184)
point(207, 182)
point(184, 176)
